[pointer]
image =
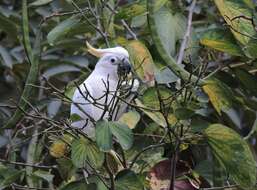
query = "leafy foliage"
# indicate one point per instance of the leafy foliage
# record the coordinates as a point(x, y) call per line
point(191, 123)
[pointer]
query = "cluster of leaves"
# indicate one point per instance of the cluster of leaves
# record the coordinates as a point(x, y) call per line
point(192, 125)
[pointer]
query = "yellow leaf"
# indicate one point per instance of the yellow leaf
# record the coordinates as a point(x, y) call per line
point(141, 60)
point(220, 95)
point(130, 119)
point(58, 149)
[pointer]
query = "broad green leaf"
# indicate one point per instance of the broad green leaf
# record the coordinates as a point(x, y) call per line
point(165, 76)
point(142, 60)
point(130, 118)
point(60, 69)
point(40, 2)
point(156, 116)
point(62, 29)
point(219, 94)
point(10, 27)
point(242, 29)
point(9, 175)
point(183, 113)
point(251, 48)
point(103, 135)
point(136, 9)
point(77, 185)
point(233, 153)
point(65, 167)
point(75, 117)
point(123, 134)
point(150, 97)
point(221, 40)
point(248, 80)
point(83, 151)
point(105, 130)
point(170, 27)
point(44, 175)
point(127, 180)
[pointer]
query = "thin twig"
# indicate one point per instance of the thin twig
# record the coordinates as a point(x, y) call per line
point(187, 34)
point(26, 164)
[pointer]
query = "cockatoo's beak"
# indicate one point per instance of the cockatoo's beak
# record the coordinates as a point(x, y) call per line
point(124, 67)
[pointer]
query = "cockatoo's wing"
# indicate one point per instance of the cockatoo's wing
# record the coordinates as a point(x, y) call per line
point(82, 107)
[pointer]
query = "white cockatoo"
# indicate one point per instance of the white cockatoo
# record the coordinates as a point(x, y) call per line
point(89, 99)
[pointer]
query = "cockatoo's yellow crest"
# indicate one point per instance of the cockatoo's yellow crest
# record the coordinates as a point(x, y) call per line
point(101, 52)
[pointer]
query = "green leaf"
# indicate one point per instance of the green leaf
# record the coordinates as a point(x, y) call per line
point(242, 29)
point(171, 27)
point(221, 40)
point(251, 48)
point(157, 117)
point(159, 40)
point(219, 94)
point(165, 76)
point(127, 180)
point(103, 135)
point(75, 117)
point(76, 185)
point(40, 2)
point(136, 9)
point(104, 130)
point(9, 175)
point(83, 151)
point(10, 27)
point(233, 153)
point(150, 97)
point(123, 134)
point(248, 80)
point(62, 29)
point(44, 175)
point(183, 113)
point(130, 118)
point(65, 167)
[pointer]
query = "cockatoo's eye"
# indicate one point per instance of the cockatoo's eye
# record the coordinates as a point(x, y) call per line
point(113, 60)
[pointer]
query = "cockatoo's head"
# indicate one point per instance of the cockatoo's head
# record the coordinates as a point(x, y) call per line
point(115, 61)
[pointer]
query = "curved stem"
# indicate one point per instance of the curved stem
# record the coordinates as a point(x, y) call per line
point(33, 72)
point(169, 60)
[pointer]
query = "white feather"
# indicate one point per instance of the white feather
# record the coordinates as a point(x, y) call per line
point(95, 86)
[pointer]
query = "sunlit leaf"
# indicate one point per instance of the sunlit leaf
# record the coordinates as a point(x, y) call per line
point(156, 116)
point(141, 60)
point(58, 149)
point(83, 151)
point(221, 40)
point(220, 95)
point(242, 29)
point(130, 118)
point(233, 153)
